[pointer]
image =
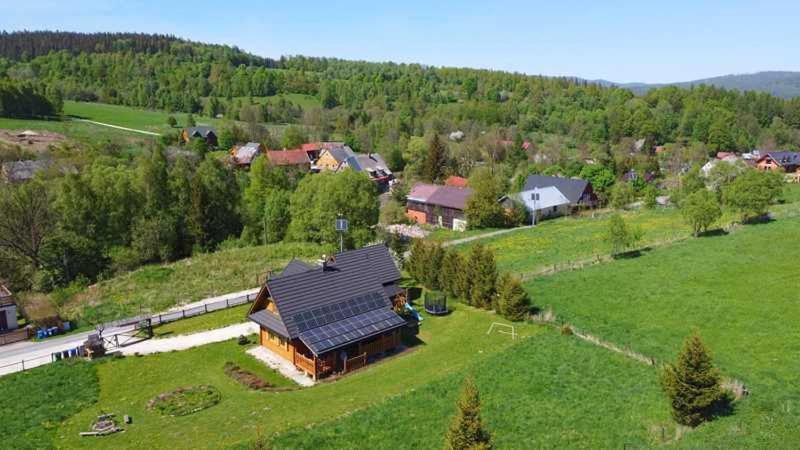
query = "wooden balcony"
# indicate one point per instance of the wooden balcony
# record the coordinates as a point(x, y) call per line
point(305, 363)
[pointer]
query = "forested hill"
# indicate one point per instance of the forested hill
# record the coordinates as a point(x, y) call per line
point(25, 45)
point(381, 105)
point(779, 84)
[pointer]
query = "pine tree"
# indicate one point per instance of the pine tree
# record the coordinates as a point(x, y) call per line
point(466, 430)
point(435, 161)
point(452, 277)
point(692, 384)
point(482, 276)
point(512, 300)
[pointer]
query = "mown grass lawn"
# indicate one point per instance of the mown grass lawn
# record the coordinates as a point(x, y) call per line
point(34, 402)
point(549, 391)
point(157, 287)
point(740, 291)
point(208, 321)
point(448, 345)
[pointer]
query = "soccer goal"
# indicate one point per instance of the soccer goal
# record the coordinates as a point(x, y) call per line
point(503, 328)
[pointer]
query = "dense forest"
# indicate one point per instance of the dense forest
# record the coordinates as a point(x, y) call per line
point(122, 210)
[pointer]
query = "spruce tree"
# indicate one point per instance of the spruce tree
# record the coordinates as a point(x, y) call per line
point(466, 430)
point(482, 276)
point(513, 302)
point(452, 276)
point(692, 384)
point(435, 161)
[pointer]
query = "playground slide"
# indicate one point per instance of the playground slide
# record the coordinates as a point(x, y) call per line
point(414, 312)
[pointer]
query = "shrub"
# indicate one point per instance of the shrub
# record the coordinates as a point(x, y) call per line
point(246, 378)
point(700, 209)
point(513, 302)
point(620, 236)
point(622, 195)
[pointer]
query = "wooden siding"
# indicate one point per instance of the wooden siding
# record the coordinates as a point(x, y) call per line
point(327, 162)
point(435, 214)
point(278, 344)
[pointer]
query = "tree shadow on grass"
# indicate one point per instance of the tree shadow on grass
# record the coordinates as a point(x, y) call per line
point(760, 220)
point(632, 254)
point(713, 233)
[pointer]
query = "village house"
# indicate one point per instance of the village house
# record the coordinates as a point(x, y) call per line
point(442, 206)
point(333, 317)
point(209, 134)
point(555, 196)
point(789, 162)
point(8, 310)
point(332, 158)
point(336, 157)
point(243, 155)
point(726, 157)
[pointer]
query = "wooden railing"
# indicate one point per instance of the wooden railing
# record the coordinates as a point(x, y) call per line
point(305, 363)
point(381, 345)
point(15, 336)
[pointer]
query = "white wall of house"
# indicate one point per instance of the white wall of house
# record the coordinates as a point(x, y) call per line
point(10, 312)
point(547, 201)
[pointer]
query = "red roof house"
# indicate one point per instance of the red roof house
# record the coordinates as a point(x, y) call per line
point(294, 157)
point(456, 181)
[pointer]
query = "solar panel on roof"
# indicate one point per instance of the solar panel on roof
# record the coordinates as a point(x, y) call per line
point(334, 335)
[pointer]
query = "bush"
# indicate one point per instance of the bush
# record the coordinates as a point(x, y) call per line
point(700, 209)
point(621, 237)
point(752, 192)
point(621, 195)
point(513, 302)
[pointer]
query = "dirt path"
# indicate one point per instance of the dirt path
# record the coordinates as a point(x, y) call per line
point(133, 130)
point(190, 340)
point(483, 236)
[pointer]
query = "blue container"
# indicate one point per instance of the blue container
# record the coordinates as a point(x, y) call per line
point(39, 334)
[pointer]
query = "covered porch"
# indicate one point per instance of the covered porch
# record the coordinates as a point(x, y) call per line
point(346, 358)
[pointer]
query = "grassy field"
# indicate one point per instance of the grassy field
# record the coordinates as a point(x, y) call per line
point(448, 345)
point(209, 321)
point(550, 391)
point(156, 287)
point(85, 133)
point(739, 291)
point(34, 402)
point(150, 120)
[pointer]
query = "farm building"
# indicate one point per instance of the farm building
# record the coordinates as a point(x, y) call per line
point(8, 310)
point(203, 132)
point(243, 155)
point(438, 205)
point(555, 196)
point(295, 157)
point(334, 317)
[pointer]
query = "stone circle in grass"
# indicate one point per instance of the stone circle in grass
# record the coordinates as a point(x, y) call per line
point(185, 400)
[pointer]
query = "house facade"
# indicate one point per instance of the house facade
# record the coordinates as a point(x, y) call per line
point(555, 196)
point(334, 317)
point(436, 205)
point(8, 310)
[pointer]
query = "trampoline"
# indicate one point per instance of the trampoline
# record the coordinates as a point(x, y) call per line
point(435, 303)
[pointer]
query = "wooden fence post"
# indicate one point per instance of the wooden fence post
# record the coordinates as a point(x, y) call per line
point(205, 307)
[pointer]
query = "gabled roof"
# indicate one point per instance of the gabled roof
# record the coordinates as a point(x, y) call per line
point(371, 163)
point(294, 157)
point(785, 158)
point(446, 196)
point(571, 188)
point(296, 266)
point(201, 131)
point(6, 298)
point(352, 278)
point(246, 153)
point(340, 153)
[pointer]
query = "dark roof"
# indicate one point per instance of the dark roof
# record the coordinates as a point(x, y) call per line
point(450, 197)
point(296, 266)
point(785, 158)
point(201, 131)
point(268, 319)
point(572, 188)
point(350, 276)
point(340, 154)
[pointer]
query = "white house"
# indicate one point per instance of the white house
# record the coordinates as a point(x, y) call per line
point(8, 310)
point(555, 196)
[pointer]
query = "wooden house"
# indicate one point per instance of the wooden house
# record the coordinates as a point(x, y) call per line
point(788, 162)
point(333, 317)
point(333, 158)
point(438, 205)
point(209, 134)
point(8, 310)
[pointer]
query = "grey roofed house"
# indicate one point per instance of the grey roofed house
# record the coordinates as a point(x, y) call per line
point(201, 131)
point(372, 163)
point(450, 197)
point(785, 158)
point(244, 154)
point(573, 189)
point(347, 285)
point(341, 153)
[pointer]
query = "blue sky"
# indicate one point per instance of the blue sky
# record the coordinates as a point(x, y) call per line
point(621, 41)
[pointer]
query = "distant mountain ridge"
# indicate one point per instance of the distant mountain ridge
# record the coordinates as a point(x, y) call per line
point(782, 84)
